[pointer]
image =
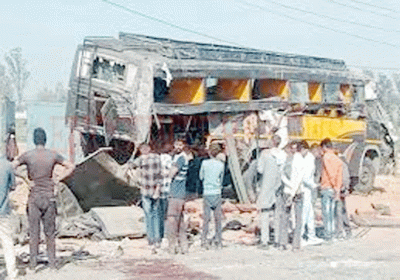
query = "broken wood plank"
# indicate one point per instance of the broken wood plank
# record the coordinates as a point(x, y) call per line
point(234, 166)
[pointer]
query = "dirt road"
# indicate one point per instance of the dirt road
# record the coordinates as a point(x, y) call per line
point(372, 253)
point(376, 255)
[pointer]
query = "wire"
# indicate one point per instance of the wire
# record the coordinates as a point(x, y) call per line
point(253, 5)
point(332, 18)
point(359, 9)
point(317, 25)
point(169, 24)
point(376, 6)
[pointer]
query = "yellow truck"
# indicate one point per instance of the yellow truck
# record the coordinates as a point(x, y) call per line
point(135, 88)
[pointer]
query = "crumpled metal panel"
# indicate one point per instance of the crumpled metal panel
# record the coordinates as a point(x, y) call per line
point(144, 101)
point(128, 116)
point(98, 181)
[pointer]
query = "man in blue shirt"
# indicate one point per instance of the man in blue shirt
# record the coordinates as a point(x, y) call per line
point(176, 227)
point(212, 173)
point(7, 184)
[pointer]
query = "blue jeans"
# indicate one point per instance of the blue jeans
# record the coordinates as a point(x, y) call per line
point(328, 211)
point(308, 214)
point(152, 217)
point(162, 212)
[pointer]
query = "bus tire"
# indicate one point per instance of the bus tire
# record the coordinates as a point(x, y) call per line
point(366, 177)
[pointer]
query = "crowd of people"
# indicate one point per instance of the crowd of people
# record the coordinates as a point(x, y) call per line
point(291, 179)
point(166, 177)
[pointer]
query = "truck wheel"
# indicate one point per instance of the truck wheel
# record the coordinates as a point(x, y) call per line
point(366, 178)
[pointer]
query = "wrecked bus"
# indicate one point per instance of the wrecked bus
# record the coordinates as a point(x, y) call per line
point(132, 89)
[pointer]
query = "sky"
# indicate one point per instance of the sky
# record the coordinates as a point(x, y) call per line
point(364, 33)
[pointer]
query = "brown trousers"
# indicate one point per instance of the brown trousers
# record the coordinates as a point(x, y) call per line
point(42, 209)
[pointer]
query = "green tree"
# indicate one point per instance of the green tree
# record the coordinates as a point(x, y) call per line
point(17, 72)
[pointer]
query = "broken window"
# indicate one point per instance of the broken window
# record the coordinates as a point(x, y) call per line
point(332, 93)
point(160, 89)
point(358, 94)
point(108, 70)
point(299, 92)
point(211, 88)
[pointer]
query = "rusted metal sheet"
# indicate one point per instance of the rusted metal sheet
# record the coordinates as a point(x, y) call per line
point(98, 181)
point(175, 49)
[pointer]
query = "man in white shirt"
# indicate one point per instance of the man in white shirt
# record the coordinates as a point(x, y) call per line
point(309, 187)
point(293, 189)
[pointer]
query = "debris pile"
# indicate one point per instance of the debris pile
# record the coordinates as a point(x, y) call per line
point(240, 221)
point(104, 223)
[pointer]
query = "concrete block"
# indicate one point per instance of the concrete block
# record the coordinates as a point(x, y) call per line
point(120, 221)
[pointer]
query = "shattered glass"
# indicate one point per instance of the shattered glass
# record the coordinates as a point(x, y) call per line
point(107, 70)
point(299, 92)
point(332, 93)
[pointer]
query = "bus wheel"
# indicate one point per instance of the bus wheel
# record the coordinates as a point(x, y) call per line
point(366, 178)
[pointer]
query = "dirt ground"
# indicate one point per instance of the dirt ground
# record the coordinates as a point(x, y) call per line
point(372, 253)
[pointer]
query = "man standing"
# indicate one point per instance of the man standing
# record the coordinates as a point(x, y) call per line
point(309, 188)
point(271, 180)
point(280, 156)
point(166, 163)
point(212, 174)
point(176, 226)
point(331, 183)
point(316, 150)
point(343, 229)
point(40, 163)
point(283, 205)
point(149, 166)
point(7, 184)
point(294, 190)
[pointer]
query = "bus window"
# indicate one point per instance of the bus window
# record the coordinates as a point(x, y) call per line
point(298, 92)
point(358, 94)
point(108, 70)
point(332, 93)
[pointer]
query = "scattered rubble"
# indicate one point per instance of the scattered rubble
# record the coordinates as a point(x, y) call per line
point(240, 223)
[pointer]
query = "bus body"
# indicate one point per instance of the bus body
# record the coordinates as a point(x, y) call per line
point(135, 88)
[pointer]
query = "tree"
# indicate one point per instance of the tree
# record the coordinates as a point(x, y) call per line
point(45, 94)
point(60, 92)
point(5, 84)
point(17, 72)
